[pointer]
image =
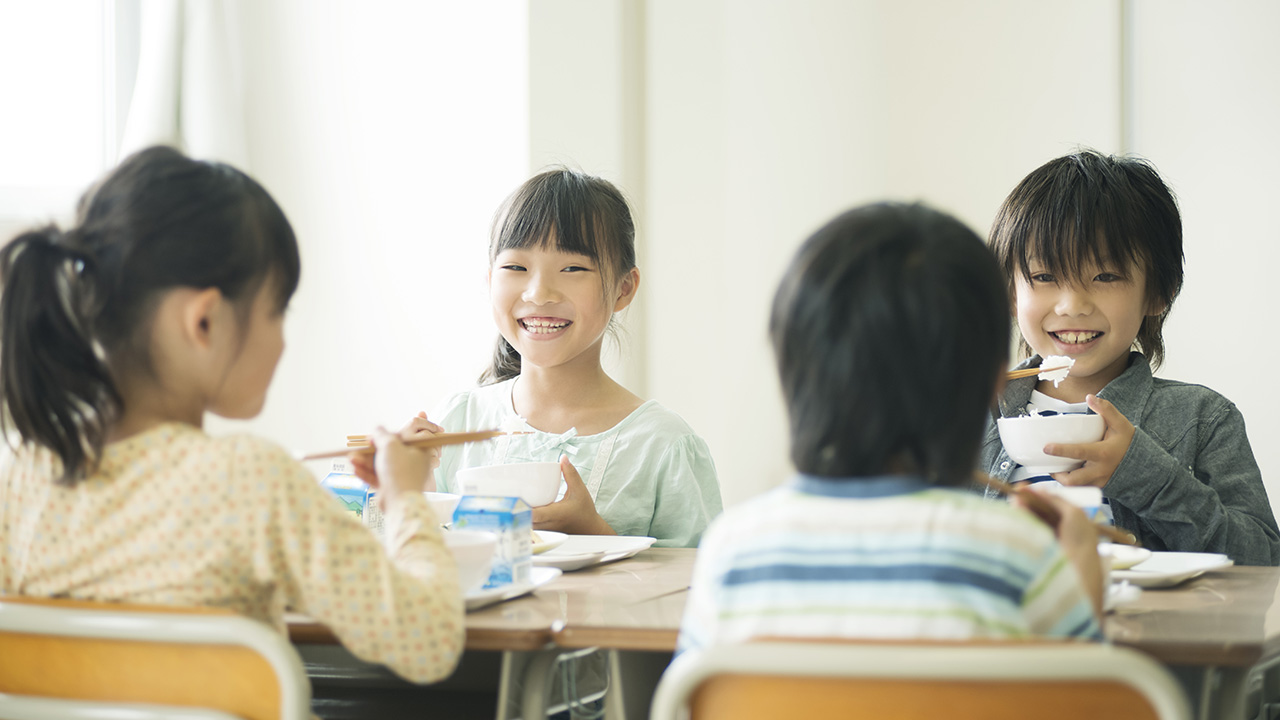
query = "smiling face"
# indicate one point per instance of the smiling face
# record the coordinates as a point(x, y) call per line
point(552, 306)
point(1093, 319)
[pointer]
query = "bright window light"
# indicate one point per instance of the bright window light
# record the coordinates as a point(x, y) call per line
point(55, 81)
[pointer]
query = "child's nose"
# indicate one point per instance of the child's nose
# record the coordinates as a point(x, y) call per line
point(540, 290)
point(1073, 300)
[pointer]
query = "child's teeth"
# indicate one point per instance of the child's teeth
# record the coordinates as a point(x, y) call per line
point(542, 327)
point(1074, 338)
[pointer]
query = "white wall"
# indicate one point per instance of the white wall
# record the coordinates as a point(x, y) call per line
point(1207, 113)
point(389, 132)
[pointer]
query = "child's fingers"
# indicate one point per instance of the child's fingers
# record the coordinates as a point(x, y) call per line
point(362, 467)
point(1075, 451)
point(1111, 415)
point(571, 476)
point(1035, 503)
point(419, 425)
point(1087, 475)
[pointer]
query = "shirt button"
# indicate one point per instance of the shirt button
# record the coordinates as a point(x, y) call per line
point(1004, 465)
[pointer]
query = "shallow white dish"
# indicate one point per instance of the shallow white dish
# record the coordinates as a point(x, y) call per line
point(1165, 569)
point(484, 598)
point(579, 551)
point(1123, 557)
point(547, 540)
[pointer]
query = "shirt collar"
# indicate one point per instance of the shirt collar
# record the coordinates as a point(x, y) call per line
point(1128, 393)
point(860, 487)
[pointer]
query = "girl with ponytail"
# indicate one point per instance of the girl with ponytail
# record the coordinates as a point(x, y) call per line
point(562, 262)
point(165, 301)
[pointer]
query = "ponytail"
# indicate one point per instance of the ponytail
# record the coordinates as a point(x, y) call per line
point(505, 365)
point(55, 387)
point(76, 307)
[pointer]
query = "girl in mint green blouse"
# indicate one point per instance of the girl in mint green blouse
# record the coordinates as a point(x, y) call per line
point(562, 263)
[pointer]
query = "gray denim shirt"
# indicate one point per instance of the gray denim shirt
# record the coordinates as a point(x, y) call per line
point(1188, 482)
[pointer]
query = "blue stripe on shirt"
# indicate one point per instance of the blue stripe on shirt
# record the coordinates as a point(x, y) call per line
point(826, 557)
point(783, 572)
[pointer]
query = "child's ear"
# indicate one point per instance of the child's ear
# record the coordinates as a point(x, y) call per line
point(627, 288)
point(201, 317)
point(1157, 307)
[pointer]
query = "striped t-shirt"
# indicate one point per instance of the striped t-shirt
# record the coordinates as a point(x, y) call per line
point(888, 557)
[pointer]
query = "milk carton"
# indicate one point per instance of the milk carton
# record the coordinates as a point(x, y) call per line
point(511, 520)
point(355, 496)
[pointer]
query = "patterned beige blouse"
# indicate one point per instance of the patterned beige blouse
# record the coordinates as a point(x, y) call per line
point(176, 517)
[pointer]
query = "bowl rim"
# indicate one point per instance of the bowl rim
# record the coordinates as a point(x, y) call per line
point(1048, 418)
point(508, 465)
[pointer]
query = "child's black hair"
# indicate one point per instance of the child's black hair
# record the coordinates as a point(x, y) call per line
point(890, 329)
point(77, 303)
point(1085, 209)
point(575, 213)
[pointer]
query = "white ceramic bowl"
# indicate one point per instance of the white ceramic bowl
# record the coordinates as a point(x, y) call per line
point(1024, 439)
point(443, 505)
point(537, 482)
point(473, 551)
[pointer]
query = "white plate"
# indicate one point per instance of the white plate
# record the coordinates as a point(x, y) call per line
point(1165, 569)
point(1123, 557)
point(580, 551)
point(547, 540)
point(483, 598)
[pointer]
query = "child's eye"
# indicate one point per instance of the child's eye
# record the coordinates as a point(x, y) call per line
point(1043, 278)
point(576, 268)
point(1107, 277)
point(512, 266)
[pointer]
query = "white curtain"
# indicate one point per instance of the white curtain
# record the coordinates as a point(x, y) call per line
point(188, 90)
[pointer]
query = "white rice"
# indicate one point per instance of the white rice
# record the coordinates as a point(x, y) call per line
point(1059, 366)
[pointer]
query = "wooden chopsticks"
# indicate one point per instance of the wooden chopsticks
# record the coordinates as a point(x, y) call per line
point(1113, 534)
point(360, 444)
point(1028, 372)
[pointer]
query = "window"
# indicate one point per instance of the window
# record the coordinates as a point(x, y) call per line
point(58, 128)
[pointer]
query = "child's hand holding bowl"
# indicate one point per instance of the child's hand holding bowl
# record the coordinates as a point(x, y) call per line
point(1100, 458)
point(575, 513)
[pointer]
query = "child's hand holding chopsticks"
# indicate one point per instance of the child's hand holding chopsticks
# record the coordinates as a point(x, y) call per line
point(397, 469)
point(366, 466)
point(1077, 535)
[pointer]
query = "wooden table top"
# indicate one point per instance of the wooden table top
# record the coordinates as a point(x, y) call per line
point(632, 604)
point(1228, 617)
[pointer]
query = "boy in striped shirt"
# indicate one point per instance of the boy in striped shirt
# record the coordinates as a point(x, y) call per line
point(890, 331)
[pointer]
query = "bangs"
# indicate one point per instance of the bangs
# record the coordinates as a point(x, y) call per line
point(1069, 229)
point(572, 213)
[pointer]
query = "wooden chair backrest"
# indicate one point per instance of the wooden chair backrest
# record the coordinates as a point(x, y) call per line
point(744, 697)
point(918, 680)
point(230, 678)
